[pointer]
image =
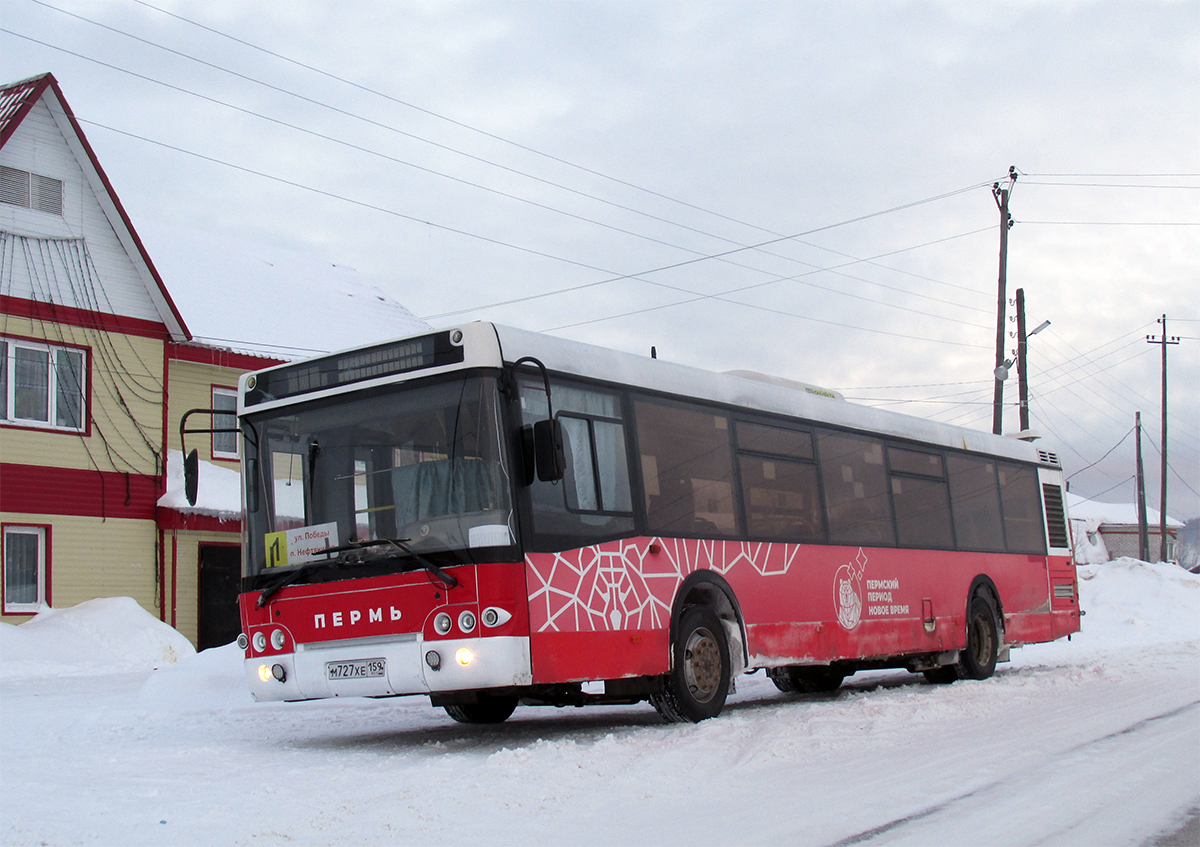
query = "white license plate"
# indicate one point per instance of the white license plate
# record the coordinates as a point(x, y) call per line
point(356, 669)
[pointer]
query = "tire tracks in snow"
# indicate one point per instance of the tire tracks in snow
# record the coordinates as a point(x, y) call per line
point(896, 824)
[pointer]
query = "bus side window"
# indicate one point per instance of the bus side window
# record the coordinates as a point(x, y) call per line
point(921, 499)
point(1021, 502)
point(976, 503)
point(593, 500)
point(779, 483)
point(687, 467)
point(856, 497)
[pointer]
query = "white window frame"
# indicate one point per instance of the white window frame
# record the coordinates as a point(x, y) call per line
point(11, 608)
point(8, 384)
point(218, 422)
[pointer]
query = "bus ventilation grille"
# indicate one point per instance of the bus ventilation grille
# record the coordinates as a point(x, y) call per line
point(1056, 518)
point(1048, 458)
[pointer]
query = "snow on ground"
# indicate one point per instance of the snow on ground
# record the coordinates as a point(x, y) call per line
point(1092, 741)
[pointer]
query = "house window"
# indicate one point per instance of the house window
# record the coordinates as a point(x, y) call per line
point(24, 569)
point(42, 385)
point(31, 191)
point(225, 444)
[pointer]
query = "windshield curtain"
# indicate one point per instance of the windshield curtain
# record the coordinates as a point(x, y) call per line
point(424, 464)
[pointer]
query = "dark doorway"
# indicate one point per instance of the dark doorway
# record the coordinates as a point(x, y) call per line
point(220, 573)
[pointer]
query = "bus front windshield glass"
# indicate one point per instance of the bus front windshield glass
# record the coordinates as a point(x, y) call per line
point(422, 466)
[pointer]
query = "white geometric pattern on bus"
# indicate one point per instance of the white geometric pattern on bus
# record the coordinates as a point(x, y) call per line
point(621, 585)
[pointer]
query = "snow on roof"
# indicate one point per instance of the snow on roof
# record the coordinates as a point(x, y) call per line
point(268, 300)
point(219, 494)
point(1080, 508)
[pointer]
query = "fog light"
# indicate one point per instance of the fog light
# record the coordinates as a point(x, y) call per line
point(466, 621)
point(277, 639)
point(242, 641)
point(260, 642)
point(464, 656)
point(279, 672)
point(264, 673)
point(442, 623)
point(494, 616)
point(433, 659)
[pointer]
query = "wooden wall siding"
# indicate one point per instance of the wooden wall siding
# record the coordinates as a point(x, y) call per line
point(94, 558)
point(126, 373)
point(191, 388)
point(39, 146)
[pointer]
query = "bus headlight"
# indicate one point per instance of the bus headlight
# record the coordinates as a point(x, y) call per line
point(260, 642)
point(464, 656)
point(277, 639)
point(466, 621)
point(442, 623)
point(264, 673)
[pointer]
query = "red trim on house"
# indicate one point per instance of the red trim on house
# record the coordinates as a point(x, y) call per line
point(38, 489)
point(87, 401)
point(162, 575)
point(85, 318)
point(172, 519)
point(204, 355)
point(48, 531)
point(37, 86)
point(174, 575)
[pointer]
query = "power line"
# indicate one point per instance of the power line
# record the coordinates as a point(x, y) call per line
point(546, 207)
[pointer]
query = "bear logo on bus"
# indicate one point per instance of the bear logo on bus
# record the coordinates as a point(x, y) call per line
point(847, 591)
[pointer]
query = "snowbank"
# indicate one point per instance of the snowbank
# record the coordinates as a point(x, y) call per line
point(107, 635)
point(1130, 602)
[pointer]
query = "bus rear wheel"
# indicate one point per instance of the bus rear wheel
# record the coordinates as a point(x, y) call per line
point(978, 659)
point(698, 683)
point(491, 708)
point(806, 680)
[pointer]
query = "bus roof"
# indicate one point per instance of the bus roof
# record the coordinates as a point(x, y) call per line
point(808, 402)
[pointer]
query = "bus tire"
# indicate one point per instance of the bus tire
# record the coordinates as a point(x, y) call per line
point(978, 660)
point(698, 683)
point(795, 679)
point(491, 708)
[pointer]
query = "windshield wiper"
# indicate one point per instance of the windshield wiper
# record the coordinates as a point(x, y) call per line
point(397, 543)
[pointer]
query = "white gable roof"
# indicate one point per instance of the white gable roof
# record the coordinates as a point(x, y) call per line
point(39, 135)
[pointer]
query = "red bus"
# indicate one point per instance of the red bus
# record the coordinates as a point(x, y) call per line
point(489, 516)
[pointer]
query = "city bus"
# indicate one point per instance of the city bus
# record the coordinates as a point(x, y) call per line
point(492, 517)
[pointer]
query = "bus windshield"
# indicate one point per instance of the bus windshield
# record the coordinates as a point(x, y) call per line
point(422, 464)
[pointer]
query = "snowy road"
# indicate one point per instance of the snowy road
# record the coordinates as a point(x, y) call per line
point(1073, 743)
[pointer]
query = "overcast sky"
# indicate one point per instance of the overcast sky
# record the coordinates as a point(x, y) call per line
point(465, 155)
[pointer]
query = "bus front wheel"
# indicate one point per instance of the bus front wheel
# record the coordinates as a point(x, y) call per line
point(698, 683)
point(489, 709)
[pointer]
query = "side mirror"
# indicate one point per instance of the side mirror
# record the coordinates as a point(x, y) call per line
point(548, 450)
point(191, 476)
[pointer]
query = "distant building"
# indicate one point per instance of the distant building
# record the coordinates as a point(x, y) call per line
point(1106, 531)
point(97, 366)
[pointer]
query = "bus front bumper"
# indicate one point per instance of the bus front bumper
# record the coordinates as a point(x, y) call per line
point(370, 667)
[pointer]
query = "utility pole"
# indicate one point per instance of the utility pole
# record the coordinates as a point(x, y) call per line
point(1001, 196)
point(1143, 529)
point(1164, 340)
point(1022, 359)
